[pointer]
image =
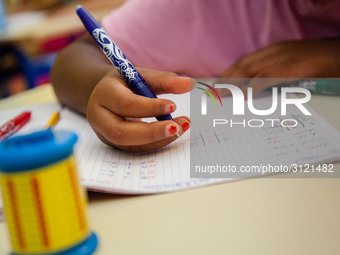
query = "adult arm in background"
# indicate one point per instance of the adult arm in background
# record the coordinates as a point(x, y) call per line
point(288, 59)
point(84, 80)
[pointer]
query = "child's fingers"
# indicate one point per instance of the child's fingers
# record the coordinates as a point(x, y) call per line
point(123, 102)
point(184, 124)
point(254, 63)
point(119, 132)
point(140, 148)
point(167, 82)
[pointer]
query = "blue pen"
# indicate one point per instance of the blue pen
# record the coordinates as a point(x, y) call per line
point(130, 74)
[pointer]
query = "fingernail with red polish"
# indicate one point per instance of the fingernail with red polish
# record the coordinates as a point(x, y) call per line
point(171, 129)
point(170, 108)
point(184, 127)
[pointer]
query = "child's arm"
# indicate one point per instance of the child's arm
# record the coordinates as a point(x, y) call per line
point(76, 71)
point(289, 59)
point(86, 81)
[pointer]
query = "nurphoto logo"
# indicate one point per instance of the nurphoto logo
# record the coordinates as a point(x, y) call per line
point(239, 102)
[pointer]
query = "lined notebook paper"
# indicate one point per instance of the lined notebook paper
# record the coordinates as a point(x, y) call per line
point(107, 169)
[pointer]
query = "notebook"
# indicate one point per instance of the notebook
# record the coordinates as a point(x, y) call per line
point(106, 169)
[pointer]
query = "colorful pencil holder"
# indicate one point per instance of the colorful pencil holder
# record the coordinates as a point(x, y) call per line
point(43, 199)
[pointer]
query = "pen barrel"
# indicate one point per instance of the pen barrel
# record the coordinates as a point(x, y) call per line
point(106, 44)
point(130, 74)
point(164, 117)
point(89, 22)
point(139, 87)
point(117, 57)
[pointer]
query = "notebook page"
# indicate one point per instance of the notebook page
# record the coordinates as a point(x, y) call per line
point(107, 169)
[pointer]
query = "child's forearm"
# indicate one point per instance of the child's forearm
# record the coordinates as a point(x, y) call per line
point(76, 71)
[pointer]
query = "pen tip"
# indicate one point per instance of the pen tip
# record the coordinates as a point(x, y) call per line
point(77, 7)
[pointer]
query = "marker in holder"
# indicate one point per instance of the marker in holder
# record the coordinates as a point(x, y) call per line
point(43, 199)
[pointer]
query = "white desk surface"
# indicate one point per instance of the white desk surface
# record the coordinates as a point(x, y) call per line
point(253, 216)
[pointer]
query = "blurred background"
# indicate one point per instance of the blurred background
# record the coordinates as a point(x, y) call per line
point(31, 34)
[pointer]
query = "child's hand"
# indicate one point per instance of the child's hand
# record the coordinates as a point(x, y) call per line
point(112, 105)
point(290, 59)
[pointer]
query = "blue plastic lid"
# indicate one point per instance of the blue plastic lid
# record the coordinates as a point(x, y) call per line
point(22, 153)
point(87, 247)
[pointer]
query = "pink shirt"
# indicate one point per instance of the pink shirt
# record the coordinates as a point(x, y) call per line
point(201, 38)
